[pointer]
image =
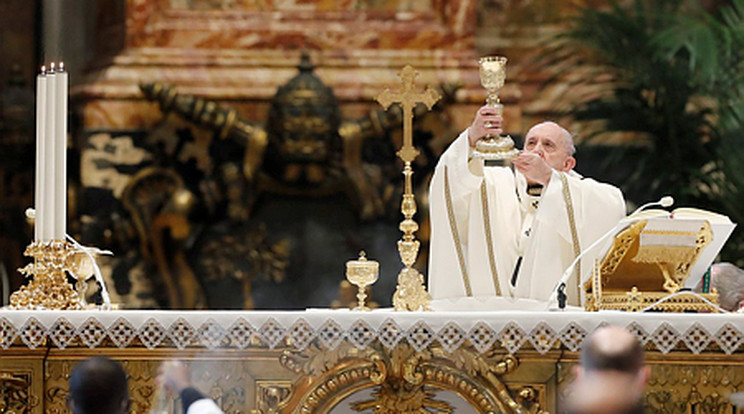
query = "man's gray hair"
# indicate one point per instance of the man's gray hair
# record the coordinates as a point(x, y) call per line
point(729, 281)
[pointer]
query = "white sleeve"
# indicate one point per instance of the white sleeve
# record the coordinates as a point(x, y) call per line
point(451, 174)
point(457, 238)
point(204, 406)
point(464, 176)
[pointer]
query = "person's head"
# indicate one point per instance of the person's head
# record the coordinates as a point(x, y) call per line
point(729, 282)
point(612, 375)
point(612, 348)
point(98, 385)
point(609, 392)
point(553, 143)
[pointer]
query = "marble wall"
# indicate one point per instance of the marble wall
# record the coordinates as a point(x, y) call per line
point(241, 51)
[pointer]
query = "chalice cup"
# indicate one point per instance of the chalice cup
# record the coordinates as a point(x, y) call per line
point(362, 273)
point(494, 149)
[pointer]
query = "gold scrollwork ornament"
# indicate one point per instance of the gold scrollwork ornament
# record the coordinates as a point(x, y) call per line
point(15, 395)
point(49, 288)
point(406, 380)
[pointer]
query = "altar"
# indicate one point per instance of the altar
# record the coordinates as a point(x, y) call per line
point(335, 361)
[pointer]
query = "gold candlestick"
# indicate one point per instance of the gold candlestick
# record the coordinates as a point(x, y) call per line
point(49, 288)
point(494, 149)
point(361, 273)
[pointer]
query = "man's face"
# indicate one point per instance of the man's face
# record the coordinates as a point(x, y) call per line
point(548, 141)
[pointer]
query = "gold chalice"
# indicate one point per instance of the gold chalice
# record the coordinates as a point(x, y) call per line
point(361, 273)
point(494, 149)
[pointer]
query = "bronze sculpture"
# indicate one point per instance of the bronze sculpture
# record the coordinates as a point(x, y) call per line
point(305, 152)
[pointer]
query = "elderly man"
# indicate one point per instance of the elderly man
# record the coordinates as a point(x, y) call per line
point(612, 374)
point(512, 233)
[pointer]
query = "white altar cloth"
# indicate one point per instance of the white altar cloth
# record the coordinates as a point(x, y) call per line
point(241, 329)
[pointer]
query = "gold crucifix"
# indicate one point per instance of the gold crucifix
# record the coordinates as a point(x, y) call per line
point(408, 98)
point(410, 293)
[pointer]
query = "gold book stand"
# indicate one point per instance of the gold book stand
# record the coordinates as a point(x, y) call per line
point(639, 275)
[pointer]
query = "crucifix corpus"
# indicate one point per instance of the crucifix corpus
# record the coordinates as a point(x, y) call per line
point(410, 293)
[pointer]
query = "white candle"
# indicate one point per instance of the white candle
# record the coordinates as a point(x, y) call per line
point(60, 154)
point(40, 152)
point(50, 128)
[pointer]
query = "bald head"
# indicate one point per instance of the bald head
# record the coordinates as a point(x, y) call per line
point(612, 376)
point(612, 348)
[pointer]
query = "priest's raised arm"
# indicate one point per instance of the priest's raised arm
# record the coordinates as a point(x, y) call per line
point(498, 231)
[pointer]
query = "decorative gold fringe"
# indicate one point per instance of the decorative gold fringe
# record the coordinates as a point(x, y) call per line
point(665, 254)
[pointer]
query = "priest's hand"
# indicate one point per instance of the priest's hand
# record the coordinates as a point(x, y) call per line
point(486, 122)
point(173, 376)
point(533, 167)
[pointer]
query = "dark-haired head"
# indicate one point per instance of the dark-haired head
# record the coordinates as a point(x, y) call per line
point(98, 385)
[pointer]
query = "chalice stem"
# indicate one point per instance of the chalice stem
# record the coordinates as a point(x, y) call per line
point(361, 296)
point(493, 101)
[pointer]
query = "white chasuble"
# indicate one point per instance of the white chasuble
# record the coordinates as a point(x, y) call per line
point(490, 238)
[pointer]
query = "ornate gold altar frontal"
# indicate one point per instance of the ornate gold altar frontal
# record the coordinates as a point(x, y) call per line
point(339, 361)
point(410, 294)
point(632, 277)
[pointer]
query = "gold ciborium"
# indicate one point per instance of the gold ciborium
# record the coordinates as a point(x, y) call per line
point(362, 273)
point(494, 149)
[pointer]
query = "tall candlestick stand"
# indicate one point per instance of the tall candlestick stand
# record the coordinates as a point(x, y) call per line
point(53, 257)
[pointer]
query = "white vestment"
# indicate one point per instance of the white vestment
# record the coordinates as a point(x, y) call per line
point(464, 261)
point(204, 406)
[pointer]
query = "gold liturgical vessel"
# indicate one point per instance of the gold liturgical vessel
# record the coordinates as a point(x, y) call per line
point(362, 273)
point(494, 149)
